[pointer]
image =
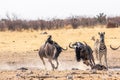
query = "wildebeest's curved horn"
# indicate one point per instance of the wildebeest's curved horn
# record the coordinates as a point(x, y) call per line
point(114, 48)
point(71, 46)
point(85, 43)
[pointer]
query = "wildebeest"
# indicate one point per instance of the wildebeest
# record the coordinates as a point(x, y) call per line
point(51, 52)
point(114, 48)
point(83, 52)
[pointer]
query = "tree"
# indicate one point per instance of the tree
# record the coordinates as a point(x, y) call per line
point(101, 18)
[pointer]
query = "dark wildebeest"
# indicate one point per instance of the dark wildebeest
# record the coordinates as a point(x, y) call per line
point(51, 52)
point(84, 52)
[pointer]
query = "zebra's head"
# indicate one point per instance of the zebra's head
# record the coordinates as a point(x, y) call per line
point(101, 36)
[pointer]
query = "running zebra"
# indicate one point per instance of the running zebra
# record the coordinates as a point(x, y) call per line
point(101, 48)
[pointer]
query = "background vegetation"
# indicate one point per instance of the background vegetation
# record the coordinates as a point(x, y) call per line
point(15, 24)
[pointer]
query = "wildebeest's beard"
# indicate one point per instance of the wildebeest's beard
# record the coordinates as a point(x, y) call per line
point(83, 55)
point(78, 53)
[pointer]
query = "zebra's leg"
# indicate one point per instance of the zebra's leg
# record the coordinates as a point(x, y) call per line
point(100, 56)
point(57, 63)
point(105, 57)
point(51, 64)
point(96, 54)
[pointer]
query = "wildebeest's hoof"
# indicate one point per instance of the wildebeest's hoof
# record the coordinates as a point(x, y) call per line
point(56, 67)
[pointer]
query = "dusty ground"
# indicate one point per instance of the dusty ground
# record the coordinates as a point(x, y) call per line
point(19, 49)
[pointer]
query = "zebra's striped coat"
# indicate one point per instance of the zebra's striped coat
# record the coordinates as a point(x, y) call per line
point(101, 49)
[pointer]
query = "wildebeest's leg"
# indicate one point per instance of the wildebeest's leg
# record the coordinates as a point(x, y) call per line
point(51, 64)
point(57, 63)
point(92, 58)
point(90, 62)
point(86, 62)
point(43, 62)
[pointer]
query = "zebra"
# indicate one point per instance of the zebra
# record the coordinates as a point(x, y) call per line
point(101, 49)
point(96, 44)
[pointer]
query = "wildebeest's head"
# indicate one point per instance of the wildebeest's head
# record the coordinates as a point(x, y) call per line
point(59, 49)
point(76, 45)
point(79, 47)
point(82, 51)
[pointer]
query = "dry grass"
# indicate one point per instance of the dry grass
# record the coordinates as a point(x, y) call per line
point(26, 40)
